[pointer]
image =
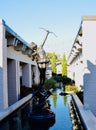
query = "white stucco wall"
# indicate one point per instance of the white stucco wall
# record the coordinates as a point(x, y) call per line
point(89, 59)
point(13, 81)
point(10, 73)
point(3, 68)
point(18, 55)
point(85, 73)
point(75, 71)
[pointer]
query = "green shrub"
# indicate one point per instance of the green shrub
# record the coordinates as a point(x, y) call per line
point(71, 88)
point(66, 80)
point(50, 83)
point(57, 78)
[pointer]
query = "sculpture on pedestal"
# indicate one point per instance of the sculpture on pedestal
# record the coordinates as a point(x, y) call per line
point(41, 114)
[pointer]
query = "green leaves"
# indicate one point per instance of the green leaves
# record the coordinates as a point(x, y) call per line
point(64, 65)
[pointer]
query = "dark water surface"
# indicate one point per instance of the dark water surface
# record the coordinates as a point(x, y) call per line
point(59, 105)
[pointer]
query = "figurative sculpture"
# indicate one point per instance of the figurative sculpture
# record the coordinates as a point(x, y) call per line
point(40, 55)
point(41, 113)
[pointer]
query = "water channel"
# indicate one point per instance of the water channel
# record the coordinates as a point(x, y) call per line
point(59, 104)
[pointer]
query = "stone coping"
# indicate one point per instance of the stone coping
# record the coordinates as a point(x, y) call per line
point(87, 117)
point(6, 112)
point(89, 18)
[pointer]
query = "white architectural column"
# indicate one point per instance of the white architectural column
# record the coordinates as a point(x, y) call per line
point(89, 60)
point(3, 68)
point(26, 75)
point(13, 81)
point(78, 69)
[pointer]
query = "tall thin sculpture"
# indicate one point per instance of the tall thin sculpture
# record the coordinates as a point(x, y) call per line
point(41, 114)
point(42, 59)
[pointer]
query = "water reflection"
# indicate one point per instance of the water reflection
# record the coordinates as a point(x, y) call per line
point(63, 121)
point(54, 97)
point(59, 105)
point(18, 120)
point(65, 100)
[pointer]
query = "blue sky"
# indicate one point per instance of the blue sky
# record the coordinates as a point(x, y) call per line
point(63, 17)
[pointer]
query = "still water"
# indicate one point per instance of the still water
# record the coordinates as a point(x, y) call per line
point(59, 105)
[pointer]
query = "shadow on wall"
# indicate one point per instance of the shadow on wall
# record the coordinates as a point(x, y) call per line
point(90, 86)
point(1, 77)
point(90, 72)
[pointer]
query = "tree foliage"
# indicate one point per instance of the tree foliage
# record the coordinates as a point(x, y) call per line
point(64, 65)
point(49, 54)
point(53, 63)
point(50, 84)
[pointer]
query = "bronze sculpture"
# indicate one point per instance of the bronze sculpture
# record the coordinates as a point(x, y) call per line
point(40, 55)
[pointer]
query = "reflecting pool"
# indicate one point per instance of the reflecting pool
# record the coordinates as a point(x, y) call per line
point(59, 104)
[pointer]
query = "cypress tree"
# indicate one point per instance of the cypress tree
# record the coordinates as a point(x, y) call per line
point(53, 64)
point(64, 65)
